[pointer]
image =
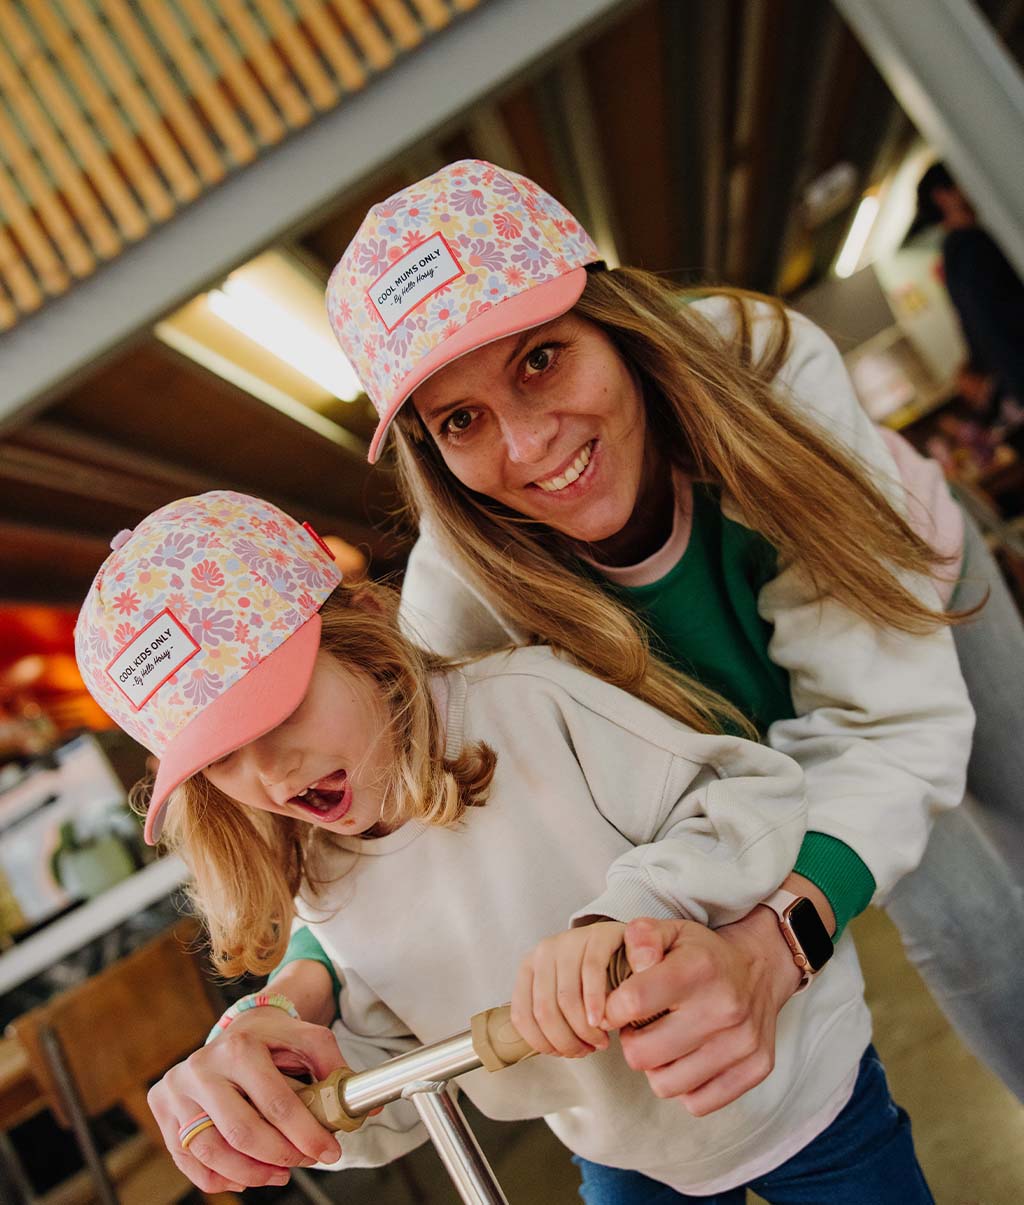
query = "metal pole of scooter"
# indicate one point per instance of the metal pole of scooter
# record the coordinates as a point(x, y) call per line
point(453, 1139)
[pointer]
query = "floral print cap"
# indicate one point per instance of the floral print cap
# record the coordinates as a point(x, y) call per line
point(200, 630)
point(467, 256)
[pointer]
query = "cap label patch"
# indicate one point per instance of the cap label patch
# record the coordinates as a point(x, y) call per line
point(151, 657)
point(419, 274)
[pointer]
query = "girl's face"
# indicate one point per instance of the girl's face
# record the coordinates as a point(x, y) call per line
point(549, 422)
point(325, 764)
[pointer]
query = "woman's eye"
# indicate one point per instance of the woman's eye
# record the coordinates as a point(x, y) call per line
point(538, 360)
point(458, 422)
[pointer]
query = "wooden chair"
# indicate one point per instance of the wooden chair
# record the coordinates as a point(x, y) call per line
point(105, 1041)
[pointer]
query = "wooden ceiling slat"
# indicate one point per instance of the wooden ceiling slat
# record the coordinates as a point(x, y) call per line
point(399, 22)
point(52, 151)
point(148, 121)
point(173, 104)
point(465, 5)
point(128, 217)
point(206, 88)
point(435, 13)
point(34, 183)
point(365, 33)
point(267, 63)
point(20, 283)
point(264, 117)
point(8, 312)
point(319, 87)
point(321, 25)
point(110, 122)
point(52, 274)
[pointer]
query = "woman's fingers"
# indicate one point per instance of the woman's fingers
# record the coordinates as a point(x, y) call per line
point(717, 1039)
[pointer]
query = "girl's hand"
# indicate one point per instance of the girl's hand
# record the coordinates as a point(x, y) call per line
point(254, 1141)
point(723, 990)
point(559, 998)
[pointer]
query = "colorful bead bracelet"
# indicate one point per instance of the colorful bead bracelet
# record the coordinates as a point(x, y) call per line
point(257, 1000)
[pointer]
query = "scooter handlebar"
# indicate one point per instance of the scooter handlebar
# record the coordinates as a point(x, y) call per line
point(495, 1041)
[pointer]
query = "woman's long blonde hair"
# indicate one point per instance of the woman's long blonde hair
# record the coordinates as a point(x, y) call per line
point(248, 866)
point(716, 412)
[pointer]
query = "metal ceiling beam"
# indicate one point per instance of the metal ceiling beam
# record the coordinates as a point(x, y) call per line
point(57, 457)
point(287, 186)
point(963, 91)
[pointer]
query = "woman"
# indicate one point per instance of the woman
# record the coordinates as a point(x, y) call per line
point(584, 452)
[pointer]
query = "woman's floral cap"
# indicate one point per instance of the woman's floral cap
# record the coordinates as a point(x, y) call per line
point(467, 256)
point(200, 630)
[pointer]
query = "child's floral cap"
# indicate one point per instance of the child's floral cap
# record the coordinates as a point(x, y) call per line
point(467, 256)
point(200, 630)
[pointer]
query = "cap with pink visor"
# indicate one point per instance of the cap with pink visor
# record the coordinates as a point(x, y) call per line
point(200, 630)
point(465, 257)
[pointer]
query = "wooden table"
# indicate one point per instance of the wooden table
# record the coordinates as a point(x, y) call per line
point(20, 1095)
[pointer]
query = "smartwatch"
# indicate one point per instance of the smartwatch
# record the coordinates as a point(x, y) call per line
point(804, 931)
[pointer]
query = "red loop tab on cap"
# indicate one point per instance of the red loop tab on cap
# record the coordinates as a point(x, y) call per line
point(309, 528)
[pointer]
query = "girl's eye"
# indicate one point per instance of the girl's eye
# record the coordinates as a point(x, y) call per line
point(221, 761)
point(457, 423)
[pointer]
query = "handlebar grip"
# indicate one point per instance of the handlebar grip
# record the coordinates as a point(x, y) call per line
point(496, 1040)
point(499, 1044)
point(324, 1100)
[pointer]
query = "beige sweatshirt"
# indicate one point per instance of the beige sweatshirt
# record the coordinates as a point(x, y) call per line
point(600, 806)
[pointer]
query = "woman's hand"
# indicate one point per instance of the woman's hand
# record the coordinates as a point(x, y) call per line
point(261, 1129)
point(723, 990)
point(559, 998)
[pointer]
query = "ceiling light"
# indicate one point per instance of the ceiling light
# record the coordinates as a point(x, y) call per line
point(856, 240)
point(254, 311)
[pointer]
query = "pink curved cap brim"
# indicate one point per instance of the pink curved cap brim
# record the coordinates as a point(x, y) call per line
point(542, 303)
point(259, 701)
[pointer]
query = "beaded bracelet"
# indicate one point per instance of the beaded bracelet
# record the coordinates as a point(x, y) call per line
point(257, 1000)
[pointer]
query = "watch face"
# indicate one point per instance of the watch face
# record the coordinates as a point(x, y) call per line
point(811, 933)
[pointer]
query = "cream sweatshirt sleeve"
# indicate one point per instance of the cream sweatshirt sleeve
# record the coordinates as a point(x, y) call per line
point(719, 838)
point(715, 822)
point(884, 725)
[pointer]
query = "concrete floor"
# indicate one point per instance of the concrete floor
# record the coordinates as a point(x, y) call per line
point(969, 1130)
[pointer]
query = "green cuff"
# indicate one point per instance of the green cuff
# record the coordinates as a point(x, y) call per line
point(304, 945)
point(838, 872)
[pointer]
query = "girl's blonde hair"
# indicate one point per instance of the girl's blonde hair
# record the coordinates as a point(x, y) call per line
point(248, 866)
point(715, 412)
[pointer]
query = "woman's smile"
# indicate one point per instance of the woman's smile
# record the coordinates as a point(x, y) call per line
point(551, 425)
point(573, 472)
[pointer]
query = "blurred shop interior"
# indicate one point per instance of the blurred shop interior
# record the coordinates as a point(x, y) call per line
point(177, 181)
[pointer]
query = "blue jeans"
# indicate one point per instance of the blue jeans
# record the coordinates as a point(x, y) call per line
point(865, 1156)
point(961, 912)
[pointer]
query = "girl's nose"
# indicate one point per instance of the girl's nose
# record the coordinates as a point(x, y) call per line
point(528, 436)
point(274, 769)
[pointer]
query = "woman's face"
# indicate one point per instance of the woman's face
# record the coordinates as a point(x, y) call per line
point(325, 764)
point(550, 423)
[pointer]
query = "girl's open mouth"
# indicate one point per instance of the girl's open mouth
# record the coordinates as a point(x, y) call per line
point(326, 800)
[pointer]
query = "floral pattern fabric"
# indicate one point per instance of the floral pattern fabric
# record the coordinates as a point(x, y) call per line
point(236, 573)
point(507, 234)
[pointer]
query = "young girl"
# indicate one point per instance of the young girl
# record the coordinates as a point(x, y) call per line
point(441, 825)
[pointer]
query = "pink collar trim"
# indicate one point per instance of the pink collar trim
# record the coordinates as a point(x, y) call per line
point(654, 567)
